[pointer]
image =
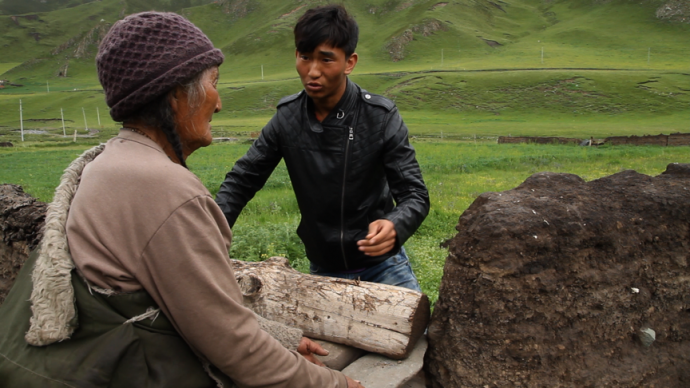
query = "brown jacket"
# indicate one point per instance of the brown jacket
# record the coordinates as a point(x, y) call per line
point(139, 221)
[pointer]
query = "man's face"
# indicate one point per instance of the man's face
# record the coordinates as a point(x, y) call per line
point(324, 72)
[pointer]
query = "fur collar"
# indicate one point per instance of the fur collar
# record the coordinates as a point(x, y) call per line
point(52, 297)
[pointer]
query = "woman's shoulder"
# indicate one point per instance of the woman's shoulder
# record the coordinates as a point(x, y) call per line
point(137, 166)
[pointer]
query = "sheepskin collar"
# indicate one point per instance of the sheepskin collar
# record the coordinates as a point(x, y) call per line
point(52, 297)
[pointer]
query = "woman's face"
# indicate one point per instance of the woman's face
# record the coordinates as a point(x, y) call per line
point(193, 123)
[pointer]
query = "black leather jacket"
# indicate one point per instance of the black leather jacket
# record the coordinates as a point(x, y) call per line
point(345, 171)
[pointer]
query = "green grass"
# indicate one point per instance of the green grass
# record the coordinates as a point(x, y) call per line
point(36, 169)
point(455, 173)
point(453, 104)
point(449, 81)
point(7, 66)
point(616, 34)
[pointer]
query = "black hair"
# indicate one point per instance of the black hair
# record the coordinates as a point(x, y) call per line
point(162, 116)
point(330, 24)
point(159, 114)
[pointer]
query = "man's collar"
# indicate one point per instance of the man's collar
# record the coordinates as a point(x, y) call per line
point(344, 109)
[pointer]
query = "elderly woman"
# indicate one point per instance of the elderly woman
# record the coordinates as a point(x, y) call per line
point(132, 286)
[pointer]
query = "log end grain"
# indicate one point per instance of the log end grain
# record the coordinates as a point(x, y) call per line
point(420, 321)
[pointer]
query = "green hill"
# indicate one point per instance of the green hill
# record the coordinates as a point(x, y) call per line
point(18, 7)
point(463, 67)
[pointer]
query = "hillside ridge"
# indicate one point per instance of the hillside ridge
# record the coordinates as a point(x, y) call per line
point(460, 65)
point(402, 30)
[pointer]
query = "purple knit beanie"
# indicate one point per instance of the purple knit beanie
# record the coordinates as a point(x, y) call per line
point(145, 55)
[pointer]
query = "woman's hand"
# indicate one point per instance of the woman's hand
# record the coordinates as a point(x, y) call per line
point(353, 383)
point(307, 348)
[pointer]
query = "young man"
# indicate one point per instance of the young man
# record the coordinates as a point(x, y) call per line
point(349, 159)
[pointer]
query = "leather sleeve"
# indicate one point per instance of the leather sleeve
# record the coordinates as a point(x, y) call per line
point(250, 173)
point(404, 179)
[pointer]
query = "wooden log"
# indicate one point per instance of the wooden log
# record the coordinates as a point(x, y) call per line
point(375, 317)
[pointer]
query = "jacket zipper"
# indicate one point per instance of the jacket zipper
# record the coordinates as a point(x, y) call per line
point(350, 138)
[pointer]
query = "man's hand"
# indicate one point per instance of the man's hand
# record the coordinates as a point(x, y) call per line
point(380, 240)
point(307, 348)
point(353, 383)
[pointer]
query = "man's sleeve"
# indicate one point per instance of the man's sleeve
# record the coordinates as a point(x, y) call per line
point(404, 179)
point(250, 172)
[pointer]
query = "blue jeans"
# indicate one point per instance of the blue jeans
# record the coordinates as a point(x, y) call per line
point(396, 271)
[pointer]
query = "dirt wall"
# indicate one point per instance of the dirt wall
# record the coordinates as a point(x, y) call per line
point(566, 283)
point(674, 139)
point(537, 140)
point(21, 220)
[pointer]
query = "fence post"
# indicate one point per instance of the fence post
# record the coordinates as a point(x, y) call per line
point(21, 120)
point(649, 54)
point(86, 127)
point(62, 116)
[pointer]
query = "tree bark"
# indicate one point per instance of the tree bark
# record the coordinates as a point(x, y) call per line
point(375, 317)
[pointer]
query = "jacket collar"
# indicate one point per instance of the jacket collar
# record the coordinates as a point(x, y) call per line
point(342, 113)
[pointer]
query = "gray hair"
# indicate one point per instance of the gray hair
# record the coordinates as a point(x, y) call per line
point(195, 89)
point(159, 114)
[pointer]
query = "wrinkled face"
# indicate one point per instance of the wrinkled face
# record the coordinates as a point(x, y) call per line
point(193, 122)
point(324, 72)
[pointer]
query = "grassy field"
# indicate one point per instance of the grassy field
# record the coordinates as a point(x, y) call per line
point(450, 104)
point(7, 66)
point(455, 173)
point(579, 67)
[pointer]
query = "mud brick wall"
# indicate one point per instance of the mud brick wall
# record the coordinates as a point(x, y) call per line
point(659, 140)
point(21, 220)
point(566, 283)
point(675, 139)
point(537, 140)
point(679, 139)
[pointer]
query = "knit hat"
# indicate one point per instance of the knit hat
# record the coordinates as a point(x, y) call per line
point(145, 55)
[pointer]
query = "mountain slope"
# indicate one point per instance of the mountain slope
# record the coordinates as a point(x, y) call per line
point(396, 35)
point(493, 62)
